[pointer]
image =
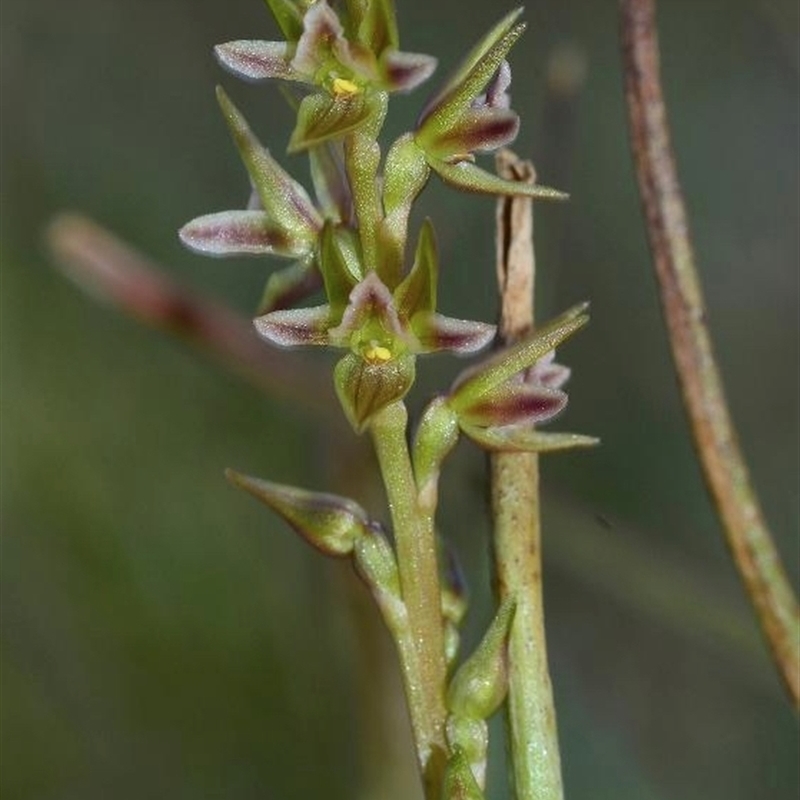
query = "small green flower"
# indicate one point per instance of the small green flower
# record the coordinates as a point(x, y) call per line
point(497, 401)
point(349, 64)
point(471, 113)
point(383, 329)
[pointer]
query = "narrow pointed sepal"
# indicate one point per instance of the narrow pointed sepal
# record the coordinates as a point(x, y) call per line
point(459, 782)
point(481, 682)
point(282, 197)
point(254, 60)
point(471, 77)
point(477, 381)
point(329, 522)
point(234, 233)
point(516, 439)
point(417, 292)
point(295, 327)
point(366, 387)
point(435, 332)
point(470, 178)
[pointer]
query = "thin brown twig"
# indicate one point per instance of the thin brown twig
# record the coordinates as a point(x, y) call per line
point(533, 737)
point(715, 440)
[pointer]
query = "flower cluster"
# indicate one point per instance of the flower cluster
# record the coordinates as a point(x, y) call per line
point(351, 239)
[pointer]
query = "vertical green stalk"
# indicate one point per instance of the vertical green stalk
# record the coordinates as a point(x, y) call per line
point(517, 530)
point(419, 580)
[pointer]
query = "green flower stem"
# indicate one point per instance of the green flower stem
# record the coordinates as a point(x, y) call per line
point(517, 533)
point(419, 580)
point(362, 156)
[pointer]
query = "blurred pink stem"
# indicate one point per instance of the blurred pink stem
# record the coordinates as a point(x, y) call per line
point(116, 274)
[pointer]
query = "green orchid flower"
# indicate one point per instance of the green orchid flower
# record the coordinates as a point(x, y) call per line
point(471, 113)
point(383, 329)
point(348, 64)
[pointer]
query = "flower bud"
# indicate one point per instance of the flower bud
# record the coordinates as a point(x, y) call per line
point(330, 523)
point(481, 682)
point(436, 436)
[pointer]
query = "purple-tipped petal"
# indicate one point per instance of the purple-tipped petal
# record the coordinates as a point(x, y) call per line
point(232, 233)
point(255, 60)
point(461, 336)
point(478, 129)
point(403, 72)
point(295, 327)
point(514, 403)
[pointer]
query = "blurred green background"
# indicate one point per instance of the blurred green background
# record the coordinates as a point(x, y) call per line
point(165, 637)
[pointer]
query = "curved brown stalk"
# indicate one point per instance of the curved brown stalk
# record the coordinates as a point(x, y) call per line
point(715, 440)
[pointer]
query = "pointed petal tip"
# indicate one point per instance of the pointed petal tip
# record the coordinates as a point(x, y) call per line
point(404, 72)
point(230, 233)
point(294, 327)
point(254, 60)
